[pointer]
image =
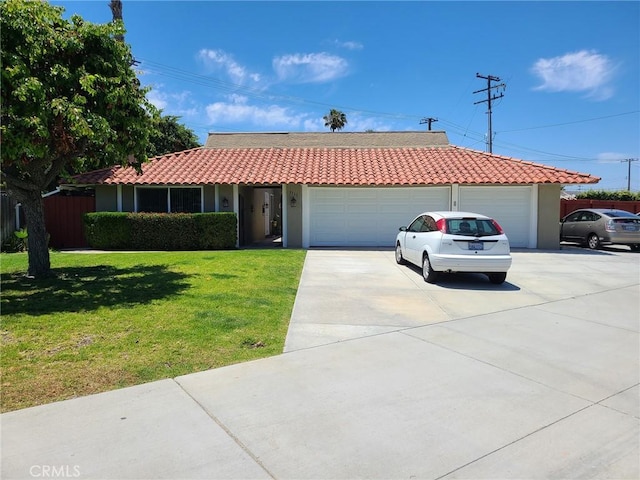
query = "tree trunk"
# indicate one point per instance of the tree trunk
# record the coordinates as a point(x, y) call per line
point(38, 238)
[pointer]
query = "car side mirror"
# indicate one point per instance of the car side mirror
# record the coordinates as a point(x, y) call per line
point(403, 229)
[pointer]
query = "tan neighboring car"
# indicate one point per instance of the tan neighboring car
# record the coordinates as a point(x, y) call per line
point(594, 227)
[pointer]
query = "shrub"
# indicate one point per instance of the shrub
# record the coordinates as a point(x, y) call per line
point(161, 231)
point(623, 195)
point(216, 230)
point(16, 242)
point(107, 230)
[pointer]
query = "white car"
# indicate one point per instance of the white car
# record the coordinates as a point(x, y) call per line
point(455, 242)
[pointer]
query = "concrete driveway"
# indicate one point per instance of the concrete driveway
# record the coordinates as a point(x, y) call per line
point(385, 376)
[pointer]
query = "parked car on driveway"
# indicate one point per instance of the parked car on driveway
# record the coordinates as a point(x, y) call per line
point(455, 242)
point(594, 227)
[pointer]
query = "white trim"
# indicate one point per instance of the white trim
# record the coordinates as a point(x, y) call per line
point(533, 218)
point(53, 192)
point(119, 197)
point(236, 210)
point(306, 217)
point(285, 216)
point(17, 207)
point(455, 197)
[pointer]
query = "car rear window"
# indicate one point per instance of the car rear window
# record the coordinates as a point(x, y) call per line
point(471, 226)
point(619, 213)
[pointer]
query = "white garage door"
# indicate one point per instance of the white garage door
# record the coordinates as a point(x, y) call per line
point(509, 206)
point(367, 217)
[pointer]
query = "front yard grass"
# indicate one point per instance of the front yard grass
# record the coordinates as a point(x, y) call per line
point(110, 320)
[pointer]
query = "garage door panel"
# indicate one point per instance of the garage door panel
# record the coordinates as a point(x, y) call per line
point(509, 206)
point(368, 216)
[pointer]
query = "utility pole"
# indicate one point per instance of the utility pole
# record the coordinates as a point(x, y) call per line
point(429, 121)
point(490, 98)
point(629, 160)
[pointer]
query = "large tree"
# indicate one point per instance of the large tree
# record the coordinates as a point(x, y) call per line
point(70, 102)
point(335, 120)
point(170, 136)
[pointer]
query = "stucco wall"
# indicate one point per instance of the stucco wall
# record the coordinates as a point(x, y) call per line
point(106, 198)
point(548, 215)
point(128, 204)
point(294, 216)
point(209, 192)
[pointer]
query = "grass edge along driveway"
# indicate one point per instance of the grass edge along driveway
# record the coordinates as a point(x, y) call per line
point(111, 320)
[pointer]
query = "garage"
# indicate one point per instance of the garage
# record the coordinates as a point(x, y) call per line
point(367, 217)
point(509, 206)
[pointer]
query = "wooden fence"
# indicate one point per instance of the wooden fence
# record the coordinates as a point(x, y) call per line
point(63, 219)
point(568, 206)
point(8, 216)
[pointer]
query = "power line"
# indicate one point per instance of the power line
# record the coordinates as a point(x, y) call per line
point(453, 128)
point(570, 123)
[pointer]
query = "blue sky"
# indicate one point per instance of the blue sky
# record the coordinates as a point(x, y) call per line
point(571, 70)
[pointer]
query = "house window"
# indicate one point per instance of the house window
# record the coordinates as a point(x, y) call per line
point(169, 199)
point(187, 200)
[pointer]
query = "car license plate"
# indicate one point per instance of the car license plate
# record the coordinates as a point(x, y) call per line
point(476, 246)
point(630, 228)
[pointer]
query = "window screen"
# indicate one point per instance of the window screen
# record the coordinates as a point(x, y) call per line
point(185, 200)
point(152, 200)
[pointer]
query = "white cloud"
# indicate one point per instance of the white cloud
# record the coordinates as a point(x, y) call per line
point(180, 104)
point(611, 157)
point(238, 110)
point(157, 99)
point(349, 45)
point(309, 67)
point(220, 60)
point(583, 71)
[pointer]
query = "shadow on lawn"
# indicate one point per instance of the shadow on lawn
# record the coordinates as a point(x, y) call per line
point(77, 289)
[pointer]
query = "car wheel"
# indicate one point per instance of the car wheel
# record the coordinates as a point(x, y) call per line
point(593, 241)
point(428, 273)
point(635, 247)
point(399, 258)
point(497, 278)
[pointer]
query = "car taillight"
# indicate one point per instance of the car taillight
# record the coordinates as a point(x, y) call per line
point(498, 227)
point(442, 225)
point(610, 226)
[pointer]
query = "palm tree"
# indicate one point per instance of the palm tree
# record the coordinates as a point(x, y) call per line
point(335, 120)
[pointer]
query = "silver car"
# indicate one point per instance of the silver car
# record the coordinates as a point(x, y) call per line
point(594, 227)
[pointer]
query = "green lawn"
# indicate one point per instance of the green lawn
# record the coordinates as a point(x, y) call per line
point(110, 320)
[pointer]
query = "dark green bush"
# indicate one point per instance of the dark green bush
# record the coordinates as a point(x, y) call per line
point(161, 231)
point(215, 230)
point(623, 195)
point(107, 230)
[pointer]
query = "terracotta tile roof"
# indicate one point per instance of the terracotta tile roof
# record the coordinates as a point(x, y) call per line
point(440, 165)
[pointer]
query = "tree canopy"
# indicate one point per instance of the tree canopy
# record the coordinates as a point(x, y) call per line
point(335, 120)
point(70, 102)
point(170, 136)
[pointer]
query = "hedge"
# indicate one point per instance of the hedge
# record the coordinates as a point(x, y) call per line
point(621, 195)
point(160, 231)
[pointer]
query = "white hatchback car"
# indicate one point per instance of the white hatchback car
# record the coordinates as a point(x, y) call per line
point(455, 242)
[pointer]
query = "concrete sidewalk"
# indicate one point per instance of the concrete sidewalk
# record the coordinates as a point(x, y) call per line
point(385, 376)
